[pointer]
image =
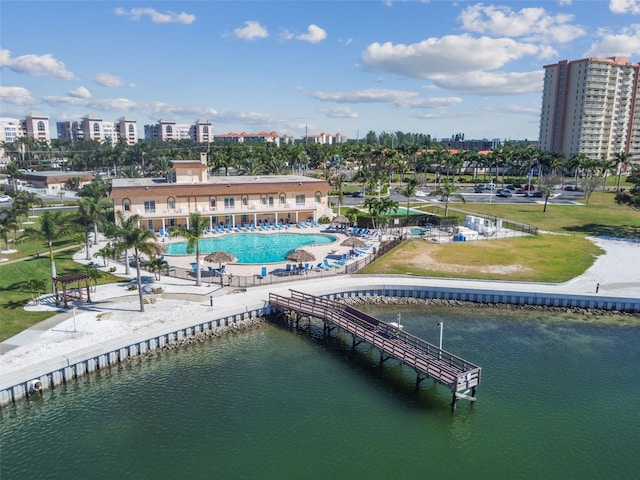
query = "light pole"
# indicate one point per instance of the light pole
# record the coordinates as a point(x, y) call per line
point(441, 324)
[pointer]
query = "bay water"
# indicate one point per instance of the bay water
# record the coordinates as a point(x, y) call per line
point(559, 398)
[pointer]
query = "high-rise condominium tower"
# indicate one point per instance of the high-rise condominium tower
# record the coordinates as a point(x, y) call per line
point(591, 106)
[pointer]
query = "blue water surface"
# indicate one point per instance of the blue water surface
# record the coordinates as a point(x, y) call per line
point(254, 248)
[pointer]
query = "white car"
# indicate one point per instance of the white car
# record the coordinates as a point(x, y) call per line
point(5, 199)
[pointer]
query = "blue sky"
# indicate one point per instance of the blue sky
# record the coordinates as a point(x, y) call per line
point(433, 67)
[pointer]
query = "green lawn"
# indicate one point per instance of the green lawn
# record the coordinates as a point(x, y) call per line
point(544, 258)
point(14, 279)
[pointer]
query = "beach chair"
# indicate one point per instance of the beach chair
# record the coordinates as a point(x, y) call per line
point(326, 263)
point(320, 267)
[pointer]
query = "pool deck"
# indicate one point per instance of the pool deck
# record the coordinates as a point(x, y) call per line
point(331, 250)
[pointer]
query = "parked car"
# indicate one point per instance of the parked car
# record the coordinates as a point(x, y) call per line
point(444, 198)
point(521, 191)
point(479, 188)
point(536, 194)
point(530, 187)
point(357, 194)
point(5, 198)
point(491, 186)
point(504, 192)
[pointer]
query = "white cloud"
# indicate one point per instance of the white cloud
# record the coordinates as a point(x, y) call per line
point(16, 95)
point(372, 95)
point(108, 80)
point(80, 92)
point(97, 104)
point(35, 65)
point(398, 98)
point(251, 30)
point(155, 16)
point(446, 55)
point(491, 83)
point(314, 34)
point(624, 6)
point(621, 43)
point(528, 23)
point(338, 112)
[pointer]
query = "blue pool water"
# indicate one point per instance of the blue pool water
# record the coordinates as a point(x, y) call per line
point(255, 247)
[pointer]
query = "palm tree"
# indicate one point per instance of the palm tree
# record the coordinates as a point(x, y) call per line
point(141, 241)
point(106, 253)
point(53, 225)
point(447, 191)
point(94, 204)
point(409, 190)
point(192, 234)
point(623, 161)
point(380, 208)
point(156, 265)
point(116, 229)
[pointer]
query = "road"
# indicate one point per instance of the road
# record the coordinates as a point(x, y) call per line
point(559, 198)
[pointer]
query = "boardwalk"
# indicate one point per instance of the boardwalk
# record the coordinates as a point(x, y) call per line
point(457, 374)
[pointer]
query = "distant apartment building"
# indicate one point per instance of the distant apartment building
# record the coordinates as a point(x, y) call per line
point(325, 139)
point(474, 145)
point(33, 126)
point(166, 129)
point(92, 127)
point(244, 137)
point(591, 106)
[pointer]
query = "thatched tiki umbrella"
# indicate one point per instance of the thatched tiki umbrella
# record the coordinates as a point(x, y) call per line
point(220, 257)
point(301, 256)
point(353, 242)
point(340, 220)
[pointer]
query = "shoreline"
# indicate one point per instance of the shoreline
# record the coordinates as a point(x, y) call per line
point(111, 329)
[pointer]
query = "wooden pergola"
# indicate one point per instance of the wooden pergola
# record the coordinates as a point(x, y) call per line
point(60, 287)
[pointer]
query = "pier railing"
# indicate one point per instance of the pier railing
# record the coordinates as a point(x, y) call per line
point(456, 373)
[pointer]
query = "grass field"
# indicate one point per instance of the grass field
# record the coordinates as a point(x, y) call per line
point(544, 258)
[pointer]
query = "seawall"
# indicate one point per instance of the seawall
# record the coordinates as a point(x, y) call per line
point(45, 375)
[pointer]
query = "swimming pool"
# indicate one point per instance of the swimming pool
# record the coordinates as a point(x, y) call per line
point(255, 247)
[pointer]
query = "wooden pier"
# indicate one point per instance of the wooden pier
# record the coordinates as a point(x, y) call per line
point(460, 376)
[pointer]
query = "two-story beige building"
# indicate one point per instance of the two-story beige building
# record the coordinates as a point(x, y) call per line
point(233, 201)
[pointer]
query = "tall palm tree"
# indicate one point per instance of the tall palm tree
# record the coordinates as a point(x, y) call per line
point(116, 229)
point(409, 190)
point(623, 160)
point(447, 191)
point(141, 242)
point(94, 204)
point(53, 225)
point(192, 235)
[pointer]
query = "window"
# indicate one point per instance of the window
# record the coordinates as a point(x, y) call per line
point(229, 202)
point(150, 225)
point(172, 222)
point(271, 200)
point(126, 205)
point(96, 128)
point(131, 130)
point(245, 201)
point(169, 129)
point(263, 199)
point(150, 206)
point(283, 199)
point(300, 200)
point(212, 203)
point(318, 197)
point(171, 203)
point(205, 129)
point(41, 126)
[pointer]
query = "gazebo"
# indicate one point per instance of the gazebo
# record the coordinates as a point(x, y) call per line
point(61, 283)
